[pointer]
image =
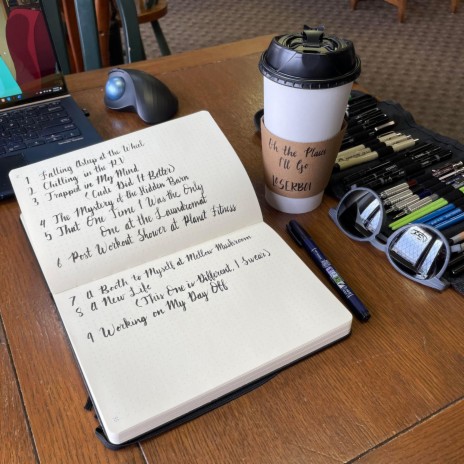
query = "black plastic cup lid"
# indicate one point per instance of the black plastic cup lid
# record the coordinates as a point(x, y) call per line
point(310, 60)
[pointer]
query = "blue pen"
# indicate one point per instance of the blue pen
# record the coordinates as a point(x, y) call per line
point(434, 214)
point(303, 239)
point(454, 220)
point(447, 212)
point(444, 217)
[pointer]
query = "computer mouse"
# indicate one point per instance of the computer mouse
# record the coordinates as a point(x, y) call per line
point(140, 92)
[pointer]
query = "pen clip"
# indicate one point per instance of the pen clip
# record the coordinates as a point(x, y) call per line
point(293, 234)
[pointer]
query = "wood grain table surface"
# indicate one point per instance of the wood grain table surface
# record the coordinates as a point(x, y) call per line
point(391, 392)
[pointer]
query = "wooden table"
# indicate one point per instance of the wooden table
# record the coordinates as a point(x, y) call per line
point(391, 392)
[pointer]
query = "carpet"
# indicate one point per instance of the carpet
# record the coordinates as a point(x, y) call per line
point(418, 63)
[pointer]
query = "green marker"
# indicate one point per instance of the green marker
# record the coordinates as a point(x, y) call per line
point(426, 209)
point(418, 213)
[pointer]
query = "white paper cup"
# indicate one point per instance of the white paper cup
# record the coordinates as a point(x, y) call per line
point(307, 83)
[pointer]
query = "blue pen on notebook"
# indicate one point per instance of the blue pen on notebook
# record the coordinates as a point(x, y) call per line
point(303, 239)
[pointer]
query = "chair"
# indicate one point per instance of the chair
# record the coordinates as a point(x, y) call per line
point(24, 24)
point(401, 5)
point(86, 33)
point(150, 11)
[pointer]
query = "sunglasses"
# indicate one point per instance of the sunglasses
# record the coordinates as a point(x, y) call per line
point(418, 251)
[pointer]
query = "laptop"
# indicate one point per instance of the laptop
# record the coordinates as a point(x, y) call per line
point(38, 117)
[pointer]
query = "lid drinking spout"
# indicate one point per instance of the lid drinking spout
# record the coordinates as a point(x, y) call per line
point(313, 37)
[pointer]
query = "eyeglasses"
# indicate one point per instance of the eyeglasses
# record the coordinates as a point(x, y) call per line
point(418, 251)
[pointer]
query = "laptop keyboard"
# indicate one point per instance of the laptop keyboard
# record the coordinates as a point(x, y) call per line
point(33, 126)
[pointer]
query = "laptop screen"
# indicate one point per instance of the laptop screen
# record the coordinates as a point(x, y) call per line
point(29, 70)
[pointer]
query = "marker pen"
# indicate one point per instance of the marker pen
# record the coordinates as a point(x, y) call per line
point(457, 238)
point(425, 181)
point(303, 239)
point(402, 195)
point(409, 169)
point(412, 203)
point(363, 116)
point(428, 208)
point(356, 107)
point(368, 147)
point(451, 175)
point(434, 214)
point(389, 178)
point(416, 167)
point(453, 230)
point(408, 202)
point(455, 210)
point(456, 264)
point(457, 248)
point(449, 222)
point(359, 138)
point(405, 198)
point(458, 181)
point(355, 99)
point(369, 143)
point(447, 168)
point(433, 193)
point(410, 154)
point(384, 151)
point(367, 125)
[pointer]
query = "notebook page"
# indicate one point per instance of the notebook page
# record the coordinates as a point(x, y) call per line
point(120, 203)
point(166, 337)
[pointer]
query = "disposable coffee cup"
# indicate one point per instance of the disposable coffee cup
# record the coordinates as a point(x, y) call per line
point(307, 78)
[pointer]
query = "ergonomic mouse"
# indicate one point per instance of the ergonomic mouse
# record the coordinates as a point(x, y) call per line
point(140, 92)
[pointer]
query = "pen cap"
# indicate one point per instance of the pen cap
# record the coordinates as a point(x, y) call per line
point(310, 60)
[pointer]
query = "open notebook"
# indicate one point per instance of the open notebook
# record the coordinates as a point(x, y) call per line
point(173, 291)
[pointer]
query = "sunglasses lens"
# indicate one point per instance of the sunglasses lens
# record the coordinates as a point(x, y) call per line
point(360, 214)
point(418, 251)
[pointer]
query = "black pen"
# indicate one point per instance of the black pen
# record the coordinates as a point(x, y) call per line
point(407, 156)
point(303, 239)
point(417, 168)
point(367, 125)
point(348, 142)
point(355, 99)
point(360, 106)
point(361, 117)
